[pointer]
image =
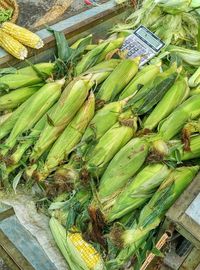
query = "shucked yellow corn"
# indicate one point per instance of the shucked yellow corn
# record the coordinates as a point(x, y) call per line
point(23, 35)
point(12, 46)
point(79, 254)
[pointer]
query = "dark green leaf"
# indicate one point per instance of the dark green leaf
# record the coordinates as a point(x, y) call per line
point(10, 70)
point(157, 252)
point(50, 121)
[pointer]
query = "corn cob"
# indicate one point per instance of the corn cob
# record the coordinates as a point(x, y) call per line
point(68, 139)
point(12, 46)
point(103, 120)
point(137, 192)
point(110, 143)
point(143, 77)
point(17, 97)
point(97, 55)
point(27, 142)
point(69, 103)
point(7, 125)
point(174, 96)
point(194, 80)
point(101, 71)
point(23, 35)
point(152, 214)
point(191, 153)
point(126, 70)
point(189, 109)
point(46, 68)
point(78, 253)
point(15, 81)
point(122, 167)
point(151, 94)
point(40, 103)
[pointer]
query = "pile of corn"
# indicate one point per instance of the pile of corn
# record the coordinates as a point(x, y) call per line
point(113, 147)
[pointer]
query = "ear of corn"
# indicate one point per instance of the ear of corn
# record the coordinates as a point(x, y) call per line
point(79, 254)
point(174, 96)
point(139, 191)
point(69, 103)
point(101, 71)
point(126, 70)
point(34, 134)
point(110, 143)
point(7, 125)
point(17, 97)
point(40, 103)
point(122, 167)
point(152, 93)
point(97, 55)
point(143, 77)
point(152, 214)
point(69, 138)
point(15, 81)
point(189, 109)
point(194, 80)
point(45, 68)
point(23, 35)
point(12, 46)
point(103, 120)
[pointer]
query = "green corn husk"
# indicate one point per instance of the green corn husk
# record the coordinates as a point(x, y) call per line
point(118, 79)
point(138, 192)
point(27, 76)
point(191, 57)
point(102, 70)
point(17, 97)
point(174, 96)
point(189, 109)
point(186, 154)
point(122, 167)
point(87, 39)
point(28, 141)
point(153, 213)
point(68, 139)
point(149, 95)
point(74, 249)
point(44, 68)
point(7, 125)
point(4, 117)
point(195, 91)
point(31, 114)
point(143, 77)
point(194, 80)
point(97, 55)
point(110, 143)
point(69, 103)
point(103, 120)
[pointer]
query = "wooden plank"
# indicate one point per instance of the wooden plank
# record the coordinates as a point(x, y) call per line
point(177, 213)
point(22, 247)
point(71, 27)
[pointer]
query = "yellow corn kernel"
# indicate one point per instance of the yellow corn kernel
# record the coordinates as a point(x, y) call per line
point(23, 35)
point(12, 46)
point(87, 252)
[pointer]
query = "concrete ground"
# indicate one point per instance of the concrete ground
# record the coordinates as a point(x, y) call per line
point(31, 11)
